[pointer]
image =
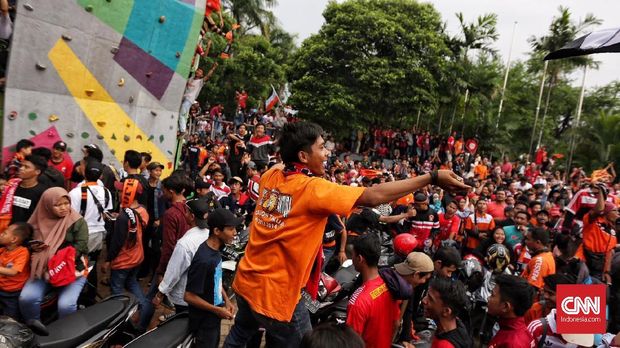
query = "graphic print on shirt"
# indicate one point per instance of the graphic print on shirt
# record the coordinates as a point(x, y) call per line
point(217, 284)
point(273, 201)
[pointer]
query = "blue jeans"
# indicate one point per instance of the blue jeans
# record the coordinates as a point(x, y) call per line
point(282, 334)
point(121, 279)
point(35, 289)
point(328, 253)
point(10, 304)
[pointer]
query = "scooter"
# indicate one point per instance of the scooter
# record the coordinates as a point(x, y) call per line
point(231, 254)
point(92, 327)
point(333, 295)
point(172, 333)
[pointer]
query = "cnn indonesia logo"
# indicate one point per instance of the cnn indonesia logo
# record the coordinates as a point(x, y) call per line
point(581, 309)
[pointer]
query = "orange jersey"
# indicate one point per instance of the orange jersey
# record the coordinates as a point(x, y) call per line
point(484, 222)
point(538, 268)
point(595, 237)
point(481, 171)
point(19, 260)
point(285, 237)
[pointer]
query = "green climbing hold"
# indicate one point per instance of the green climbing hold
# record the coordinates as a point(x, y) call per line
point(32, 116)
point(69, 150)
point(161, 138)
point(32, 132)
point(85, 135)
point(113, 136)
point(169, 152)
point(151, 137)
point(89, 8)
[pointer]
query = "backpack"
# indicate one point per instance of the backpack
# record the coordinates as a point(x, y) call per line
point(61, 266)
point(100, 208)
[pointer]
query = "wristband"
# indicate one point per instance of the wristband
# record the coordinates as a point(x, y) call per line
point(434, 177)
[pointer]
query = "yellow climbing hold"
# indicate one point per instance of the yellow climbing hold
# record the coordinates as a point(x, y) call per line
point(89, 92)
point(53, 118)
point(139, 137)
point(101, 123)
point(121, 82)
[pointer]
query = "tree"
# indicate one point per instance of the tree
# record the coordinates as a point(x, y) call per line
point(371, 62)
point(253, 14)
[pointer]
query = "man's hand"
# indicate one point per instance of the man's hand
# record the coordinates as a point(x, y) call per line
point(447, 180)
point(607, 278)
point(411, 212)
point(156, 223)
point(342, 256)
point(231, 307)
point(407, 345)
point(224, 313)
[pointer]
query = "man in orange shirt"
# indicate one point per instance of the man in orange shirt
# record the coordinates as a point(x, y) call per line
point(481, 170)
point(542, 263)
point(283, 255)
point(478, 226)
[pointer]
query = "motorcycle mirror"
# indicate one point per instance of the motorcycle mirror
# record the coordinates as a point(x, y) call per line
point(347, 263)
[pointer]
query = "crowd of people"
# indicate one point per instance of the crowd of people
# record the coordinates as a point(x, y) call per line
point(466, 233)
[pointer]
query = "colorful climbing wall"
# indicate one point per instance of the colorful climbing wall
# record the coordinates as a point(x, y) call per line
point(108, 72)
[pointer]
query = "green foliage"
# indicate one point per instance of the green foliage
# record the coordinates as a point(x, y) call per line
point(371, 62)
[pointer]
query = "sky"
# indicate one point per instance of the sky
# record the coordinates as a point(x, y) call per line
point(304, 18)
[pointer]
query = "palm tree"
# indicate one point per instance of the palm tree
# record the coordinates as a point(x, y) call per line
point(253, 14)
point(600, 141)
point(479, 35)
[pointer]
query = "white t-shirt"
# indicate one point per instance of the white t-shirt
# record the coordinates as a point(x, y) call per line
point(193, 89)
point(91, 215)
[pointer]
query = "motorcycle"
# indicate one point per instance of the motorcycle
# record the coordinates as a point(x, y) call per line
point(92, 327)
point(172, 333)
point(231, 255)
point(333, 295)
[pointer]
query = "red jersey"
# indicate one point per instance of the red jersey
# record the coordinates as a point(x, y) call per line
point(512, 334)
point(65, 166)
point(447, 227)
point(496, 210)
point(372, 313)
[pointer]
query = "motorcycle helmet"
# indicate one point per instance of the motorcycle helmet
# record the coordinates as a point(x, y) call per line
point(471, 272)
point(404, 244)
point(497, 258)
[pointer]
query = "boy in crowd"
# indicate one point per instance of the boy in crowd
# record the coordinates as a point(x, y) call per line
point(512, 296)
point(207, 300)
point(29, 191)
point(23, 149)
point(444, 300)
point(14, 266)
point(542, 263)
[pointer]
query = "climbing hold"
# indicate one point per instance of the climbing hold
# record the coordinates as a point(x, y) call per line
point(121, 82)
point(172, 116)
point(139, 137)
point(169, 152)
point(151, 137)
point(32, 116)
point(12, 115)
point(170, 127)
point(89, 92)
point(130, 99)
point(101, 123)
point(108, 0)
point(161, 138)
point(162, 19)
point(178, 54)
point(52, 118)
point(85, 135)
point(32, 132)
point(66, 37)
point(114, 50)
point(169, 165)
point(41, 66)
point(70, 135)
point(113, 136)
point(113, 151)
point(69, 150)
point(128, 125)
point(126, 138)
point(153, 113)
point(99, 136)
point(149, 74)
point(89, 8)
point(28, 7)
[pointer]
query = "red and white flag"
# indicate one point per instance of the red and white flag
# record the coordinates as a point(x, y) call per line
point(272, 100)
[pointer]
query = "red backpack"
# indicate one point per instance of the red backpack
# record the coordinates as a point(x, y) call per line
point(61, 267)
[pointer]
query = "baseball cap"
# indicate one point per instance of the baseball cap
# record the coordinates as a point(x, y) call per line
point(200, 208)
point(94, 169)
point(60, 145)
point(222, 217)
point(200, 184)
point(251, 165)
point(93, 151)
point(235, 179)
point(420, 197)
point(154, 165)
point(415, 262)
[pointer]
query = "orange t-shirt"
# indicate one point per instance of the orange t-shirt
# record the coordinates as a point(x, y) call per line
point(484, 222)
point(458, 147)
point(595, 239)
point(481, 171)
point(538, 268)
point(285, 237)
point(19, 260)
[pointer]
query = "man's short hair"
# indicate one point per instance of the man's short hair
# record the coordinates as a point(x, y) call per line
point(332, 335)
point(146, 156)
point(22, 230)
point(448, 256)
point(43, 152)
point(452, 293)
point(22, 144)
point(540, 234)
point(133, 159)
point(517, 291)
point(527, 215)
point(175, 183)
point(39, 162)
point(369, 247)
point(533, 203)
point(295, 137)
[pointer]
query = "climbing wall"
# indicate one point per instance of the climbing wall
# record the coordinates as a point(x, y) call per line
point(108, 72)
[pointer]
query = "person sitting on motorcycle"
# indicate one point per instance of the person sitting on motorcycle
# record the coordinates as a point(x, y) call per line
point(14, 266)
point(56, 225)
point(498, 237)
point(442, 303)
point(512, 296)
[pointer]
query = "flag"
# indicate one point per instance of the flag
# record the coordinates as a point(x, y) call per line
point(602, 41)
point(272, 100)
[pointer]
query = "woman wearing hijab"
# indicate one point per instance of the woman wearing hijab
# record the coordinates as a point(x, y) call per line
point(55, 224)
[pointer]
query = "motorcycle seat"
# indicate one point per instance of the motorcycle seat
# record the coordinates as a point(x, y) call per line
point(78, 327)
point(170, 333)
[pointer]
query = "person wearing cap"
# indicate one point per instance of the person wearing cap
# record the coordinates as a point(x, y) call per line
point(175, 279)
point(599, 236)
point(155, 208)
point(372, 311)
point(125, 253)
point(283, 254)
point(443, 302)
point(92, 201)
point(92, 151)
point(425, 223)
point(542, 262)
point(510, 299)
point(253, 176)
point(207, 299)
point(237, 202)
point(60, 160)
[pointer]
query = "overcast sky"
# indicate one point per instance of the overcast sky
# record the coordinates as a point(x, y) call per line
point(304, 18)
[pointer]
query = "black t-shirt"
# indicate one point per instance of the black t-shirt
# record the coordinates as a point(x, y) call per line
point(204, 278)
point(25, 200)
point(52, 177)
point(361, 222)
point(332, 229)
